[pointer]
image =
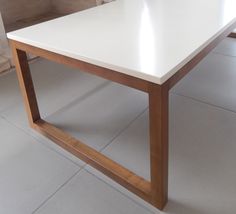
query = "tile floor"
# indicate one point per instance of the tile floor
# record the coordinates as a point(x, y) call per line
point(36, 176)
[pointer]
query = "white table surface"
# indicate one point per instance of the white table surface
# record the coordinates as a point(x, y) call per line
point(149, 39)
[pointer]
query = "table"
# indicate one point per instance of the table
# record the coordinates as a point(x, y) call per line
point(148, 45)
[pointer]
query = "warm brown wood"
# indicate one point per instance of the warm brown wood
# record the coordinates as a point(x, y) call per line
point(112, 169)
point(233, 35)
point(26, 84)
point(158, 120)
point(108, 74)
point(123, 176)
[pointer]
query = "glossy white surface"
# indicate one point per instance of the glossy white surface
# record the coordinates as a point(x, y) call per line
point(146, 39)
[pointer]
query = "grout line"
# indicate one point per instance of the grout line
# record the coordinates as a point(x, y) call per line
point(204, 102)
point(27, 132)
point(103, 181)
point(66, 182)
point(116, 189)
point(84, 168)
point(222, 54)
point(10, 106)
point(53, 194)
point(107, 183)
point(122, 130)
point(118, 134)
point(80, 99)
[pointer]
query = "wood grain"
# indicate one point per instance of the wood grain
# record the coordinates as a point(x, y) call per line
point(158, 119)
point(232, 35)
point(123, 176)
point(110, 168)
point(26, 84)
point(86, 67)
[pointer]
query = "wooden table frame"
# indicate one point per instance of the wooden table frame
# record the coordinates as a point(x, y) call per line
point(156, 191)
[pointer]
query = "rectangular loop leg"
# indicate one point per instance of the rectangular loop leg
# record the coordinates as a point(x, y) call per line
point(154, 192)
point(158, 117)
point(26, 84)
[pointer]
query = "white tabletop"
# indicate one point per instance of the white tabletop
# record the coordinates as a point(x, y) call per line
point(148, 39)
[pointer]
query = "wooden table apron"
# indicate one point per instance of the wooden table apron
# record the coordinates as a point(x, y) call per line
point(154, 192)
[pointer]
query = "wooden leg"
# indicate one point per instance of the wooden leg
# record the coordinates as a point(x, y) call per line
point(158, 117)
point(154, 192)
point(26, 85)
point(233, 35)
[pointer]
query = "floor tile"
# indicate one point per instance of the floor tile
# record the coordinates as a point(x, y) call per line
point(29, 172)
point(226, 47)
point(4, 64)
point(202, 158)
point(102, 115)
point(212, 81)
point(86, 194)
point(132, 144)
point(56, 86)
point(86, 118)
point(9, 90)
point(17, 116)
point(202, 170)
point(56, 148)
